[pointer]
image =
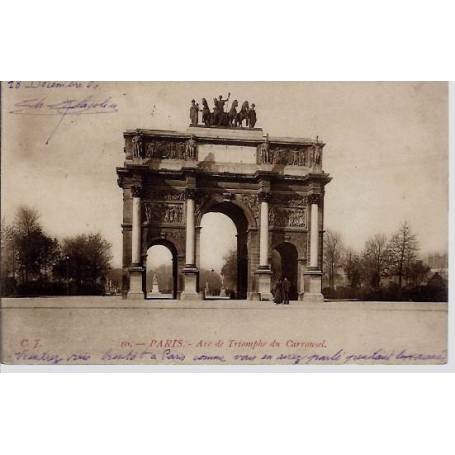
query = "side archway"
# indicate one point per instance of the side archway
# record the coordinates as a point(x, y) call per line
point(285, 264)
point(164, 282)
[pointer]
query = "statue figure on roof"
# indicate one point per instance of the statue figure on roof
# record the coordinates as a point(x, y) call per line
point(243, 114)
point(206, 120)
point(194, 113)
point(233, 113)
point(252, 118)
point(218, 110)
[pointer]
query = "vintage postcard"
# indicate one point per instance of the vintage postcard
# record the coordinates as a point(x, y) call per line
point(222, 223)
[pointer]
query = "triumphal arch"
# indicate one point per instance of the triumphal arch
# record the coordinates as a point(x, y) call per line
point(271, 187)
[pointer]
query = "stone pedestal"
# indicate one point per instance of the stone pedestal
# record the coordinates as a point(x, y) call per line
point(313, 286)
point(264, 277)
point(191, 274)
point(135, 291)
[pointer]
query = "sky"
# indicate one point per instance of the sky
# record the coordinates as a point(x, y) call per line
point(387, 151)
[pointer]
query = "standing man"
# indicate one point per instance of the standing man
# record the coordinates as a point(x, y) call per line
point(286, 290)
point(278, 292)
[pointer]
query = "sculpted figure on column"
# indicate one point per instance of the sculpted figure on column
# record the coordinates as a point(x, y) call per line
point(191, 149)
point(317, 156)
point(137, 146)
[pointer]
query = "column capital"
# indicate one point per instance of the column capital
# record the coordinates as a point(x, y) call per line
point(136, 190)
point(190, 193)
point(264, 196)
point(314, 199)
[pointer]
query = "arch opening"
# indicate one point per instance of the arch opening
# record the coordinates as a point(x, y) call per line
point(161, 271)
point(224, 252)
point(284, 264)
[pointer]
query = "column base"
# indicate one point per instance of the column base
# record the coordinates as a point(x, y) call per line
point(309, 297)
point(135, 292)
point(313, 286)
point(264, 277)
point(191, 275)
point(254, 296)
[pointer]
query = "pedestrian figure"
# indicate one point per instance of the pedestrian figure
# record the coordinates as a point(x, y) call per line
point(286, 289)
point(278, 292)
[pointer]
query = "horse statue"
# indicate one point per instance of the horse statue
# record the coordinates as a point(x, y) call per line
point(243, 114)
point(233, 113)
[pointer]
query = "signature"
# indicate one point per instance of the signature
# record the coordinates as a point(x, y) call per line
point(86, 105)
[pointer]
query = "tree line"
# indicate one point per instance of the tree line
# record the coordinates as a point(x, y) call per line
point(34, 263)
point(385, 269)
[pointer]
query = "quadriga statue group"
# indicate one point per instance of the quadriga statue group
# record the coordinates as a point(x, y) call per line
point(220, 117)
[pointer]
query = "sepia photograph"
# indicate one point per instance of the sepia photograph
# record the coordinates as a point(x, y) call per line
point(224, 223)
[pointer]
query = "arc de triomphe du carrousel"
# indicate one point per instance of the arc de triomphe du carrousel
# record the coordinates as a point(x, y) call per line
point(271, 187)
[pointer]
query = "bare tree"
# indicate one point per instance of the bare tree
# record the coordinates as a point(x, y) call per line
point(403, 249)
point(352, 267)
point(376, 258)
point(333, 252)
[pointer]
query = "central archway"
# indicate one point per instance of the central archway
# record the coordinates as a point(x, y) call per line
point(237, 216)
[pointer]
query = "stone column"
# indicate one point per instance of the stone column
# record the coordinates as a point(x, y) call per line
point(313, 273)
point(264, 230)
point(190, 271)
point(314, 234)
point(190, 231)
point(136, 269)
point(264, 271)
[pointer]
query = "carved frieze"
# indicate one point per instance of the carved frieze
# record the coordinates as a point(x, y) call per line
point(289, 200)
point(288, 155)
point(163, 213)
point(287, 217)
point(167, 196)
point(170, 149)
